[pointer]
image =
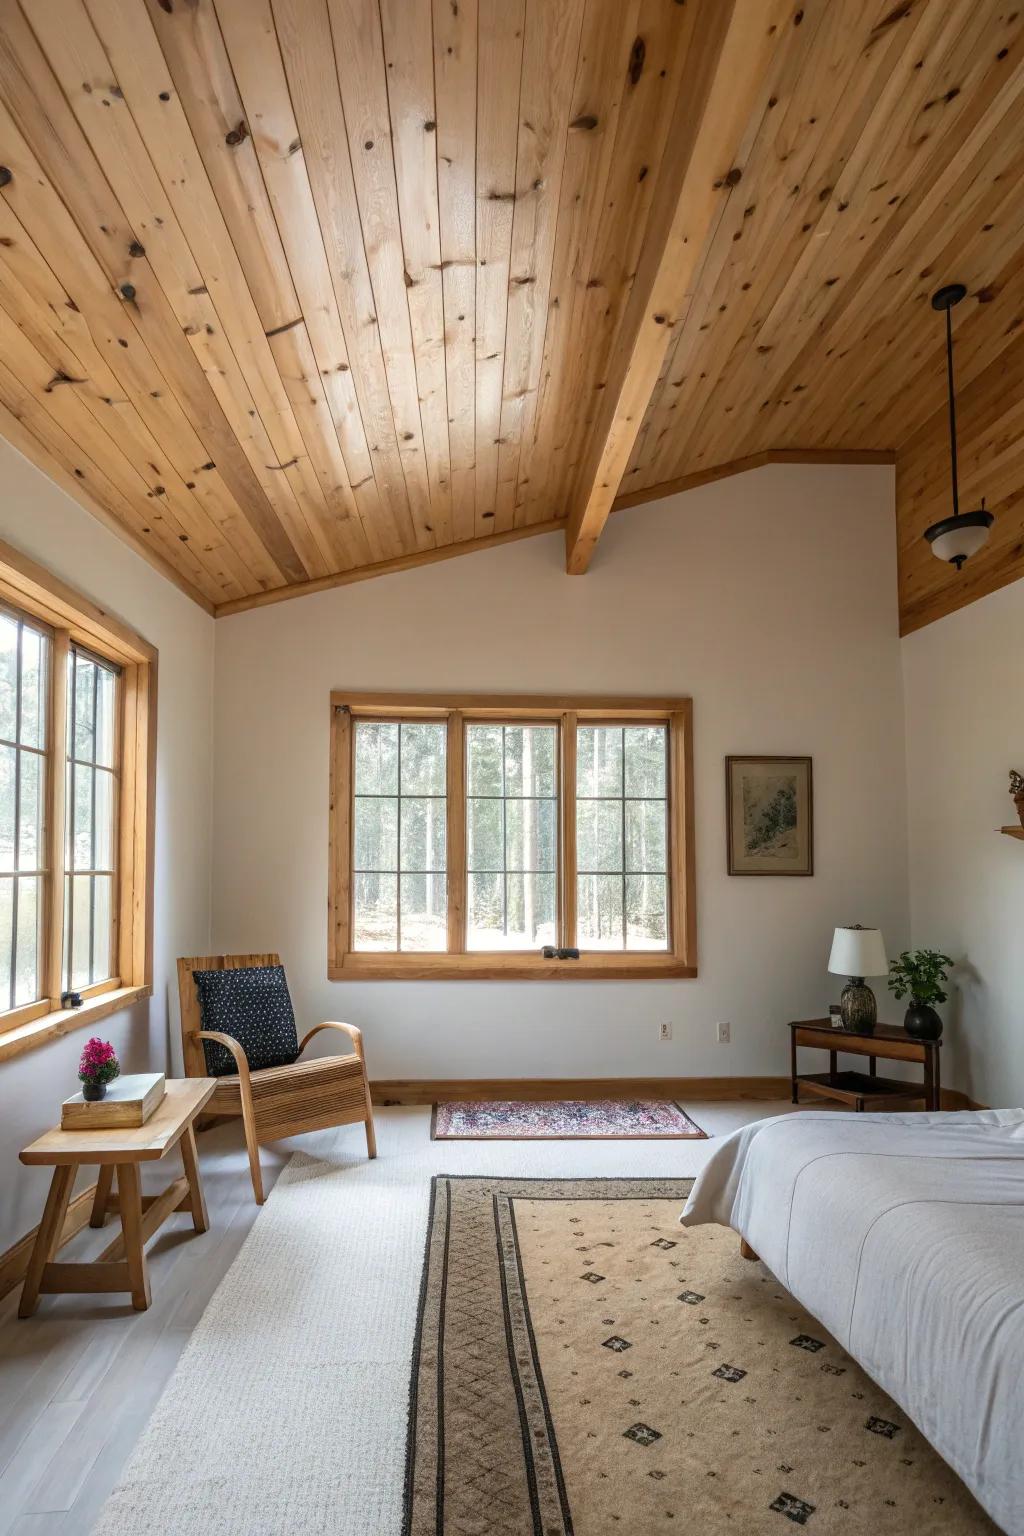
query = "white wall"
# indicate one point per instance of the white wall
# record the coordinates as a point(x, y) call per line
point(964, 688)
point(770, 598)
point(37, 517)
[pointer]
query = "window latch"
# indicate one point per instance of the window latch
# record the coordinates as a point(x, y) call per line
point(549, 952)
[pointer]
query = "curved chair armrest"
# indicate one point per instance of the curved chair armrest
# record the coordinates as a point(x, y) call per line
point(231, 1045)
point(354, 1034)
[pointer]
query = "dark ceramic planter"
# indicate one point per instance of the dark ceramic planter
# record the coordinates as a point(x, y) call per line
point(922, 1022)
point(91, 1092)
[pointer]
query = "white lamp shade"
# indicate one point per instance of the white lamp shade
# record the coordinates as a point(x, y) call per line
point(960, 541)
point(858, 952)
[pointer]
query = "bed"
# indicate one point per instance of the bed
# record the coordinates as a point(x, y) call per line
point(904, 1236)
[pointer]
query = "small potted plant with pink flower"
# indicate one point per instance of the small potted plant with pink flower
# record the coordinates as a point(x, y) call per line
point(98, 1067)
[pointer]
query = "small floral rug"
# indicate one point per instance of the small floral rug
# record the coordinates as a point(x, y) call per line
point(562, 1120)
point(584, 1366)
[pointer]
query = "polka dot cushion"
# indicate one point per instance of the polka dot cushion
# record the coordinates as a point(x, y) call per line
point(251, 1004)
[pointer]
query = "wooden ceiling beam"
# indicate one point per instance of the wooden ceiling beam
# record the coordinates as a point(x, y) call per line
point(733, 47)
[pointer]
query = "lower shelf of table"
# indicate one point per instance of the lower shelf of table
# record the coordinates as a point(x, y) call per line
point(851, 1086)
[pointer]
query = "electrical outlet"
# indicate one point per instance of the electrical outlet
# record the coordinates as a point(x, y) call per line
point(724, 1034)
point(665, 1033)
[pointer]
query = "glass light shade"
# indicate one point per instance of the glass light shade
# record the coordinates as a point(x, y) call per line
point(956, 539)
point(858, 952)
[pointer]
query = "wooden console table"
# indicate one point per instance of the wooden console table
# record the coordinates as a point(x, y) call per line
point(121, 1266)
point(888, 1042)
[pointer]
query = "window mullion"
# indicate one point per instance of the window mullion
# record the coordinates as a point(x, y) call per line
point(57, 814)
point(567, 805)
point(456, 832)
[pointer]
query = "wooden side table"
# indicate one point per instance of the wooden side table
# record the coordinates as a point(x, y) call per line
point(888, 1042)
point(121, 1266)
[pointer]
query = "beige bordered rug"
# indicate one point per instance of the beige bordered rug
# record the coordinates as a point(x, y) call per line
point(585, 1365)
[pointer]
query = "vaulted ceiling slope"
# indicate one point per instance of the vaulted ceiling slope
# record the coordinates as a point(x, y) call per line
point(294, 291)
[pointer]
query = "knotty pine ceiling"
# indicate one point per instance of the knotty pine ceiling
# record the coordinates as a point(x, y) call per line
point(292, 291)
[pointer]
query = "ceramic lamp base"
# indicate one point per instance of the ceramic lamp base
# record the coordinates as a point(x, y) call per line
point(857, 1007)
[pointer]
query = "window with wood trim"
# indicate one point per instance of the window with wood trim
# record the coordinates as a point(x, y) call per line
point(494, 837)
point(77, 755)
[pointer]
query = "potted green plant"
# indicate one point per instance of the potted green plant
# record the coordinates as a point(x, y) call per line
point(921, 972)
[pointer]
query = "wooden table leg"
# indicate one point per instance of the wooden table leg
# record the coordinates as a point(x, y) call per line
point(792, 1066)
point(102, 1196)
point(48, 1236)
point(129, 1192)
point(936, 1078)
point(195, 1200)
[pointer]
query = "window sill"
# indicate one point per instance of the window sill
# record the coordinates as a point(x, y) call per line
point(505, 967)
point(25, 1037)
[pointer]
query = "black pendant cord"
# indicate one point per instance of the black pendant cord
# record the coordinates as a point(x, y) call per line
point(952, 410)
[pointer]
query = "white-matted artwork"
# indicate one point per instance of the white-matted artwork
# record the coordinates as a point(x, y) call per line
point(770, 815)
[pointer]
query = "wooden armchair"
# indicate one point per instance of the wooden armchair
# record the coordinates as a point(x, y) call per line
point(280, 1100)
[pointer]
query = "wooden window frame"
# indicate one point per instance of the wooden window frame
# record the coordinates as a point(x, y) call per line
point(70, 619)
point(346, 964)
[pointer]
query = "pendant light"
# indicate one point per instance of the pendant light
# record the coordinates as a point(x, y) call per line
point(958, 537)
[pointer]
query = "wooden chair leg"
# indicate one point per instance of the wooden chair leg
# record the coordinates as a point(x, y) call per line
point(371, 1134)
point(746, 1252)
point(102, 1196)
point(48, 1236)
point(251, 1143)
point(129, 1198)
point(196, 1200)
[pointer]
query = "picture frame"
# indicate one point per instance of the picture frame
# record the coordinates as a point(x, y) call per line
point(769, 804)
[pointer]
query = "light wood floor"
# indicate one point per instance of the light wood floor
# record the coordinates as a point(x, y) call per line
point(79, 1380)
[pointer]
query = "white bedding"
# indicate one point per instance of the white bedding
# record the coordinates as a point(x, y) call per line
point(904, 1236)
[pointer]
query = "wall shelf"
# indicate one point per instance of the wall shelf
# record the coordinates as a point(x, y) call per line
point(1013, 832)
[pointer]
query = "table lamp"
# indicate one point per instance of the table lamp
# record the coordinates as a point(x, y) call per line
point(858, 952)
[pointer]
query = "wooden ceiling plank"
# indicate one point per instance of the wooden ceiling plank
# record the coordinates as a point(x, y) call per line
point(359, 61)
point(803, 133)
point(726, 70)
point(455, 50)
point(321, 494)
point(43, 312)
point(93, 325)
point(51, 462)
point(128, 458)
point(929, 588)
point(818, 281)
point(203, 81)
point(112, 76)
point(645, 120)
point(603, 285)
point(311, 77)
point(968, 193)
point(101, 103)
point(50, 136)
point(551, 52)
point(501, 29)
point(408, 43)
point(983, 239)
point(608, 63)
point(55, 424)
point(893, 185)
point(250, 39)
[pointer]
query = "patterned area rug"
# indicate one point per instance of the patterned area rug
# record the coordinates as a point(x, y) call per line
point(585, 1365)
point(562, 1120)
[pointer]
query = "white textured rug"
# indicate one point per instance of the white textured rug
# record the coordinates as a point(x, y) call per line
point(286, 1415)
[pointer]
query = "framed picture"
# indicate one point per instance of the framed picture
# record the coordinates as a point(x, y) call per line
point(770, 815)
